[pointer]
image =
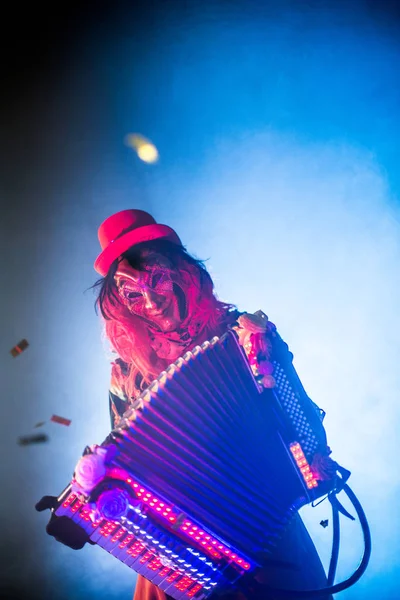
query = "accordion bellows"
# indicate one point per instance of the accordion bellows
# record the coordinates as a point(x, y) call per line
point(205, 452)
point(202, 438)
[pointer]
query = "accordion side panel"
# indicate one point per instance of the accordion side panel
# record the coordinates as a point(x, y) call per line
point(299, 410)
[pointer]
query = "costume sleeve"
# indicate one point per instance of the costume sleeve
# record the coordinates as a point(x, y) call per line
point(118, 400)
point(117, 407)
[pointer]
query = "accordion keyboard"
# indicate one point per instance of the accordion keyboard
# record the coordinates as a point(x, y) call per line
point(151, 551)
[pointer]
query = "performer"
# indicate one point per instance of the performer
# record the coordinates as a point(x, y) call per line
point(157, 302)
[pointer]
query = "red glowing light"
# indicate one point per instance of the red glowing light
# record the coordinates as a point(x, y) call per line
point(118, 535)
point(76, 506)
point(184, 583)
point(208, 543)
point(303, 465)
point(146, 557)
point(155, 564)
point(69, 500)
point(126, 541)
point(194, 590)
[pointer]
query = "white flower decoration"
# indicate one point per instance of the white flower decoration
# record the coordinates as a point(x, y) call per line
point(90, 470)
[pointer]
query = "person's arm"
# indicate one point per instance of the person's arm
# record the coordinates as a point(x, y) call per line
point(61, 528)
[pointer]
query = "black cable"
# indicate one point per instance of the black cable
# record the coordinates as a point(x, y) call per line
point(262, 592)
point(335, 545)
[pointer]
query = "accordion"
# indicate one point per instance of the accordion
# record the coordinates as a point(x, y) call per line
point(200, 478)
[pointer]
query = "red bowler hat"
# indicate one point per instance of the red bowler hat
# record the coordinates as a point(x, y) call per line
point(125, 229)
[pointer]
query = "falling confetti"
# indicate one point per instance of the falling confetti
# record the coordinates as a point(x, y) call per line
point(144, 148)
point(61, 420)
point(324, 523)
point(40, 424)
point(27, 440)
point(20, 347)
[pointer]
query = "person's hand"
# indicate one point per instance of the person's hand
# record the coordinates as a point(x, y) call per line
point(64, 530)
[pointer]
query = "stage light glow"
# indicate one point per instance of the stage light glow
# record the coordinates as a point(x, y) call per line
point(144, 148)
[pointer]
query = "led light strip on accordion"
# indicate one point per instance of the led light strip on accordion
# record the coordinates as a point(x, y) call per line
point(199, 480)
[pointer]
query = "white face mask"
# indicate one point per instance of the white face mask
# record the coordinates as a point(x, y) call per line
point(150, 294)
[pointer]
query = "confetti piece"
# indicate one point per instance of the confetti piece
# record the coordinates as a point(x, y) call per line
point(324, 523)
point(38, 438)
point(20, 347)
point(40, 424)
point(145, 150)
point(61, 420)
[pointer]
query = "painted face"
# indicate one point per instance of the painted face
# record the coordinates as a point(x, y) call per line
point(150, 293)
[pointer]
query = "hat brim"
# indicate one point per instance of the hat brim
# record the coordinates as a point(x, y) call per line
point(147, 233)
